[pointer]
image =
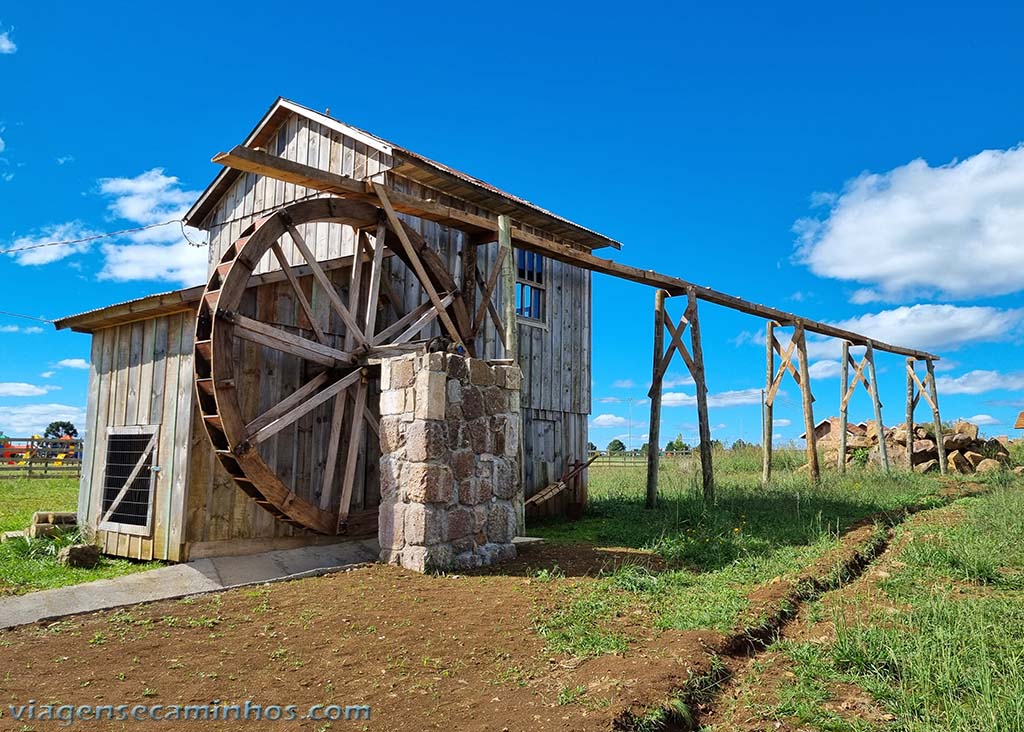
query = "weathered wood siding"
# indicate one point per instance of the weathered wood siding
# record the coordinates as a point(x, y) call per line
point(141, 374)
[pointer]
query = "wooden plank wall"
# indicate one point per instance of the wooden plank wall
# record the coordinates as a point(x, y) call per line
point(141, 374)
point(555, 358)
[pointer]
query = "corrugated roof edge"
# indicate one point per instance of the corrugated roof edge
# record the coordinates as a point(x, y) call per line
point(129, 311)
point(225, 177)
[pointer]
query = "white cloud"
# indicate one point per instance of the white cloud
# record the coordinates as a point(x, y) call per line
point(26, 329)
point(623, 383)
point(58, 232)
point(952, 229)
point(981, 419)
point(30, 419)
point(781, 422)
point(825, 369)
point(671, 381)
point(73, 363)
point(979, 381)
point(3, 145)
point(610, 400)
point(65, 159)
point(21, 389)
point(732, 398)
point(609, 420)
point(7, 46)
point(179, 263)
point(47, 374)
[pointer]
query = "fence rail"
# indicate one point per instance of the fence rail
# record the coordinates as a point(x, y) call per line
point(36, 457)
point(605, 459)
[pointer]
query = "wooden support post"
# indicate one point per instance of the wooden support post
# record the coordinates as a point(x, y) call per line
point(910, 413)
point(939, 442)
point(508, 287)
point(468, 281)
point(844, 408)
point(882, 450)
point(769, 404)
point(654, 430)
point(697, 353)
point(800, 338)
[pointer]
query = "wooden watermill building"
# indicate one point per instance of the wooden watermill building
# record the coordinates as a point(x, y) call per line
point(383, 248)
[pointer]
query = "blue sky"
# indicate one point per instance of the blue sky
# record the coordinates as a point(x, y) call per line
point(855, 165)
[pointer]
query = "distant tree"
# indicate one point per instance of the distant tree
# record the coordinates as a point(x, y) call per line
point(591, 447)
point(644, 448)
point(716, 444)
point(56, 430)
point(677, 445)
point(616, 446)
point(740, 444)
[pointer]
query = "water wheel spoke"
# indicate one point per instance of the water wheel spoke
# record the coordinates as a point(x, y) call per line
point(333, 447)
point(307, 405)
point(376, 267)
point(411, 324)
point(355, 444)
point(282, 260)
point(288, 403)
point(282, 340)
point(324, 281)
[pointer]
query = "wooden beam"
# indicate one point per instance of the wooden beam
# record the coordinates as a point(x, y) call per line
point(293, 280)
point(508, 287)
point(492, 310)
point(910, 413)
point(281, 340)
point(488, 291)
point(333, 447)
point(242, 158)
point(307, 406)
point(700, 379)
point(654, 430)
point(288, 403)
point(768, 406)
point(940, 443)
point(844, 402)
point(807, 400)
point(422, 315)
point(376, 271)
point(883, 451)
point(354, 445)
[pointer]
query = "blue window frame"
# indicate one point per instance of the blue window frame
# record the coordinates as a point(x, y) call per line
point(531, 293)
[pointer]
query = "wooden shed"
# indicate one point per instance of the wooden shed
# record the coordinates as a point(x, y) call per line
point(329, 248)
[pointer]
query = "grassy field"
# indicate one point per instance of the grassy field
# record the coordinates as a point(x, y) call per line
point(27, 565)
point(716, 554)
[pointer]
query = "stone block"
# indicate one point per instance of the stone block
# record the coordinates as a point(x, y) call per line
point(425, 441)
point(501, 523)
point(83, 556)
point(390, 478)
point(391, 524)
point(468, 560)
point(428, 483)
point(974, 458)
point(988, 465)
point(439, 558)
point(927, 467)
point(479, 436)
point(460, 524)
point(513, 377)
point(480, 517)
point(392, 402)
point(457, 369)
point(402, 373)
point(385, 374)
point(436, 362)
point(480, 373)
point(392, 432)
point(504, 483)
point(966, 428)
point(430, 395)
point(495, 400)
point(414, 558)
point(472, 404)
point(454, 388)
point(463, 464)
point(424, 525)
point(956, 461)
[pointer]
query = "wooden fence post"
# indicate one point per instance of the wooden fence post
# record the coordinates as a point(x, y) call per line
point(657, 376)
point(882, 450)
point(844, 407)
point(808, 403)
point(939, 442)
point(707, 471)
point(766, 468)
point(508, 286)
point(910, 413)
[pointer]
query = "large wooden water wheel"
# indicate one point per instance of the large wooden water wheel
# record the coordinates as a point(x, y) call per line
point(330, 344)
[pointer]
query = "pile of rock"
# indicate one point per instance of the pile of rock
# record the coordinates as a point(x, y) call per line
point(966, 451)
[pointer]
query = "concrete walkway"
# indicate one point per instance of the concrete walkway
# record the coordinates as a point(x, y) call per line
point(181, 580)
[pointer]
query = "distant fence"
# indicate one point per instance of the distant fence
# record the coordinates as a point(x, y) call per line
point(634, 458)
point(35, 457)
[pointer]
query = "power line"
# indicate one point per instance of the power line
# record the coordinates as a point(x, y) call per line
point(26, 317)
point(95, 237)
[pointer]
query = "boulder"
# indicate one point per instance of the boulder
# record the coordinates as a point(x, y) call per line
point(966, 428)
point(923, 451)
point(1019, 470)
point(855, 441)
point(899, 435)
point(988, 465)
point(956, 461)
point(956, 441)
point(85, 556)
point(921, 433)
point(927, 467)
point(872, 433)
point(974, 458)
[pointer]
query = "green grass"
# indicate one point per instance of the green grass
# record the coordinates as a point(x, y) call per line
point(951, 657)
point(30, 564)
point(716, 553)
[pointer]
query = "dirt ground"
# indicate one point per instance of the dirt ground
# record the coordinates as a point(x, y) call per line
point(425, 652)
